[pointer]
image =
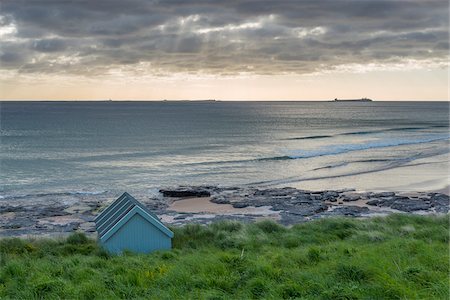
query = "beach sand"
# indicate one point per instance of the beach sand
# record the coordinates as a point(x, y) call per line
point(204, 205)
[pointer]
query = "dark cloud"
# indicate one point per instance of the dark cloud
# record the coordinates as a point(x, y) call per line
point(221, 37)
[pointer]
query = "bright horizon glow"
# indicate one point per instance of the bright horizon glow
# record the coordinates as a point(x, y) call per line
point(415, 85)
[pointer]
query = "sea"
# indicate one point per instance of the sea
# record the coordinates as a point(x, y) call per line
point(93, 148)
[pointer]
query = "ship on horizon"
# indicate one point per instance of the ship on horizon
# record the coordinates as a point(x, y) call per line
point(353, 100)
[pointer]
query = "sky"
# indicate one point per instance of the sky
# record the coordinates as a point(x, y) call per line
point(225, 50)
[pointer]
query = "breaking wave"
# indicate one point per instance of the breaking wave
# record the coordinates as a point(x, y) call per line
point(312, 137)
point(333, 150)
point(344, 148)
point(390, 164)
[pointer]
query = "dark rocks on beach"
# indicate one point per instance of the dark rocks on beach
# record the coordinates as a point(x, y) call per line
point(185, 192)
point(53, 212)
point(296, 205)
point(276, 192)
point(384, 194)
point(67, 213)
point(12, 226)
point(349, 198)
point(410, 205)
point(387, 202)
point(220, 200)
point(308, 210)
point(354, 211)
point(373, 202)
point(330, 196)
point(441, 202)
point(16, 223)
point(240, 204)
point(6, 209)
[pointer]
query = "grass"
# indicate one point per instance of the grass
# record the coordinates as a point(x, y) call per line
point(397, 257)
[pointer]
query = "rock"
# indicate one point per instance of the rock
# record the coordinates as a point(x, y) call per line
point(373, 202)
point(220, 200)
point(52, 212)
point(384, 194)
point(440, 202)
point(302, 199)
point(354, 211)
point(444, 199)
point(240, 204)
point(186, 192)
point(352, 197)
point(316, 197)
point(386, 202)
point(78, 209)
point(410, 205)
point(345, 190)
point(321, 208)
point(400, 198)
point(6, 209)
point(70, 227)
point(11, 226)
point(276, 192)
point(330, 196)
point(87, 227)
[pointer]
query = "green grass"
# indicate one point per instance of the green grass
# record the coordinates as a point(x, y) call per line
point(397, 257)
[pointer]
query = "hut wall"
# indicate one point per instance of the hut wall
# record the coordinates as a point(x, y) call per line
point(139, 235)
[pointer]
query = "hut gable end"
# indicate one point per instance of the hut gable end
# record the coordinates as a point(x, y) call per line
point(128, 225)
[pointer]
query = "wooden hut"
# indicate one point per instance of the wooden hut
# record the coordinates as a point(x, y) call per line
point(128, 225)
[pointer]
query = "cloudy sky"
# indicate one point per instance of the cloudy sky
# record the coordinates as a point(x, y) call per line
point(235, 49)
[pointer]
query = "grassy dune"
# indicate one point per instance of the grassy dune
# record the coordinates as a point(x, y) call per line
point(397, 257)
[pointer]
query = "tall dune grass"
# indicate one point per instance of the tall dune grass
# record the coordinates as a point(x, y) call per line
point(397, 257)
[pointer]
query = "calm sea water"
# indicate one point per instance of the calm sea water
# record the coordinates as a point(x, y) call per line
point(82, 147)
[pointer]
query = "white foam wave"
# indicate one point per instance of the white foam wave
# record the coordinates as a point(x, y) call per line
point(344, 148)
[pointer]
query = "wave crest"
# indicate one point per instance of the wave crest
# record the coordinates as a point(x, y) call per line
point(313, 137)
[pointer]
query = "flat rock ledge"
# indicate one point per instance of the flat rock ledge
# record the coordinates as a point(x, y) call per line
point(60, 214)
point(297, 205)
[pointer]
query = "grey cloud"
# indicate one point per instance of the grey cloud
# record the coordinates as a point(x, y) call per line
point(221, 37)
point(49, 45)
point(444, 45)
point(10, 57)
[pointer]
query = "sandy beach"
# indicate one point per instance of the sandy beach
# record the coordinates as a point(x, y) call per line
point(204, 205)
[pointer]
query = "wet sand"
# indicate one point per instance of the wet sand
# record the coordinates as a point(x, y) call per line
point(445, 191)
point(204, 205)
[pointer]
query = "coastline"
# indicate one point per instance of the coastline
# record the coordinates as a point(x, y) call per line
point(62, 214)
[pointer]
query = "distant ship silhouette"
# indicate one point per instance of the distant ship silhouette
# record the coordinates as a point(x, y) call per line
point(353, 100)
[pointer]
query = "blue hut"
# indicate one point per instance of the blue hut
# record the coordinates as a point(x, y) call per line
point(128, 225)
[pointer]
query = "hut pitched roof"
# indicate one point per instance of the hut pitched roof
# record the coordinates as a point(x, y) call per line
point(120, 211)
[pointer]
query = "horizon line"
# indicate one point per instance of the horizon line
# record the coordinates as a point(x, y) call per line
point(209, 100)
point(217, 100)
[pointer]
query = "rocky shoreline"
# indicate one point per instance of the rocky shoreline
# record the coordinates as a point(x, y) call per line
point(53, 214)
